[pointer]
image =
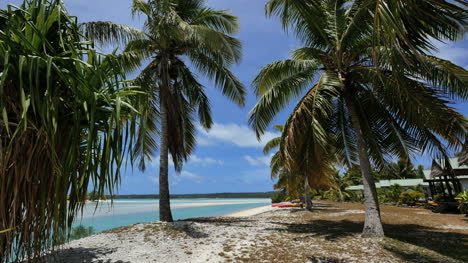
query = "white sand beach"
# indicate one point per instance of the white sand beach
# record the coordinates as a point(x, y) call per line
point(236, 237)
point(191, 240)
point(252, 211)
point(331, 233)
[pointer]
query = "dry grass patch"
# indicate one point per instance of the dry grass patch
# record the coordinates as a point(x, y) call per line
point(331, 234)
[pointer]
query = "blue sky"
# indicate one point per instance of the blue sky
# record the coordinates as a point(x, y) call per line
point(228, 158)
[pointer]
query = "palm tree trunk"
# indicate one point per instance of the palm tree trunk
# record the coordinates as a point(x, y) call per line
point(308, 200)
point(341, 195)
point(165, 213)
point(373, 223)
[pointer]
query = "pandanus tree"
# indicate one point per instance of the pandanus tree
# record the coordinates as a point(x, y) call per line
point(66, 124)
point(368, 87)
point(178, 36)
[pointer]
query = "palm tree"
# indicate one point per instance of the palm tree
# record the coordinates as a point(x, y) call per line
point(353, 175)
point(338, 191)
point(176, 34)
point(403, 169)
point(286, 177)
point(67, 122)
point(377, 95)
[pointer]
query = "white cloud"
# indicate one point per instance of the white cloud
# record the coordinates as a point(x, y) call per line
point(191, 176)
point(205, 141)
point(154, 179)
point(259, 160)
point(183, 177)
point(239, 135)
point(193, 160)
point(204, 161)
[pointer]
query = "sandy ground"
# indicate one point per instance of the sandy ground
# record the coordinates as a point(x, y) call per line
point(252, 211)
point(181, 241)
point(330, 233)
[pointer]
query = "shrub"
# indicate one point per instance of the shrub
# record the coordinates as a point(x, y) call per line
point(81, 232)
point(410, 198)
point(389, 194)
point(393, 193)
point(357, 196)
point(331, 194)
point(279, 197)
point(438, 198)
point(462, 199)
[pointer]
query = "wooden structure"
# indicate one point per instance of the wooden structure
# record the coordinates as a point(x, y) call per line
point(445, 176)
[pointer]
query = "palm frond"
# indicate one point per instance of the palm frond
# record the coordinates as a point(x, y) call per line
point(203, 37)
point(220, 21)
point(278, 84)
point(271, 145)
point(213, 68)
point(107, 33)
point(141, 7)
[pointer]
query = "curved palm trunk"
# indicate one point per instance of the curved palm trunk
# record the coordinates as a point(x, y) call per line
point(308, 200)
point(165, 213)
point(373, 223)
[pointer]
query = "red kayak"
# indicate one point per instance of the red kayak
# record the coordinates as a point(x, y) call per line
point(286, 205)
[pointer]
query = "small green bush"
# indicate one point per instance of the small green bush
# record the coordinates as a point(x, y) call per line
point(390, 194)
point(438, 198)
point(81, 232)
point(462, 199)
point(410, 198)
point(279, 197)
point(331, 194)
point(357, 196)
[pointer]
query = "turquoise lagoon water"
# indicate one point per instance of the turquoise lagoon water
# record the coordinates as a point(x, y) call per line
point(126, 212)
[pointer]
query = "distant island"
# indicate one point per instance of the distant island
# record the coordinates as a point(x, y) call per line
point(216, 195)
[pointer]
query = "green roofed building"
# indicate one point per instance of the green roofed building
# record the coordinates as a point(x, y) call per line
point(448, 177)
point(445, 178)
point(388, 183)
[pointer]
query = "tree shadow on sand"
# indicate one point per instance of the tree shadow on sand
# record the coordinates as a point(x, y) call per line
point(330, 230)
point(450, 244)
point(81, 255)
point(317, 259)
point(222, 221)
point(191, 231)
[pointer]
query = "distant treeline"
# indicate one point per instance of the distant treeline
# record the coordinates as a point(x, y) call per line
point(217, 195)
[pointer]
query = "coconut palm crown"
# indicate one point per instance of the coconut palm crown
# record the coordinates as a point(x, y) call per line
point(365, 95)
point(178, 36)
